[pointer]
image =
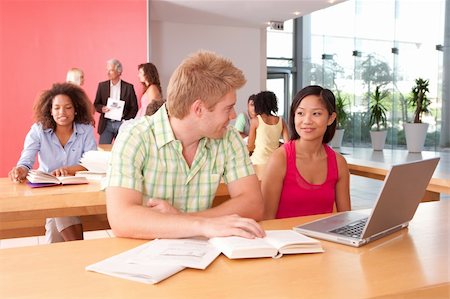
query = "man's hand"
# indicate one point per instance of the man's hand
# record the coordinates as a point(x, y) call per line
point(162, 206)
point(231, 225)
point(105, 109)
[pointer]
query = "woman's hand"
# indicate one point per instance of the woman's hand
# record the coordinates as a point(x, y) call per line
point(18, 174)
point(62, 171)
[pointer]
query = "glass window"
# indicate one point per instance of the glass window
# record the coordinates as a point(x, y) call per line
point(385, 44)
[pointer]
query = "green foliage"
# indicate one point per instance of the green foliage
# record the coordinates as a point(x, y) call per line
point(419, 99)
point(377, 109)
point(375, 71)
point(342, 115)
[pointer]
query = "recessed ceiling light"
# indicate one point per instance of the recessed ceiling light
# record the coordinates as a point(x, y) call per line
point(297, 13)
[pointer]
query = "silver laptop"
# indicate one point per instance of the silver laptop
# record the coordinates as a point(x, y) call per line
point(403, 189)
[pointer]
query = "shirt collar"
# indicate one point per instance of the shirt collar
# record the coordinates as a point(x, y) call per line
point(163, 130)
point(118, 83)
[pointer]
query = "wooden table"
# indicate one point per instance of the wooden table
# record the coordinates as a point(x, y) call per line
point(411, 263)
point(376, 164)
point(23, 209)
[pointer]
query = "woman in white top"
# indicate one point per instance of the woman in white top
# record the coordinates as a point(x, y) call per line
point(266, 128)
point(148, 75)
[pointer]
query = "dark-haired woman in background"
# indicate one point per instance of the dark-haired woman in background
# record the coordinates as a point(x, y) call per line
point(148, 75)
point(266, 128)
point(62, 133)
point(305, 176)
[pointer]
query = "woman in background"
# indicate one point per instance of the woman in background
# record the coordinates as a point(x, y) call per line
point(266, 128)
point(305, 176)
point(63, 132)
point(242, 123)
point(148, 76)
point(75, 76)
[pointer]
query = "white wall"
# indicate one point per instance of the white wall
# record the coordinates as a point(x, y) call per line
point(246, 47)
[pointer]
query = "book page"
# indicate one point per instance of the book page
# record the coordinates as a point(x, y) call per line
point(37, 178)
point(116, 109)
point(238, 247)
point(289, 241)
point(119, 266)
point(72, 180)
point(192, 253)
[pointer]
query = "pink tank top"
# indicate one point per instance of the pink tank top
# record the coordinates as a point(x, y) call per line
point(300, 198)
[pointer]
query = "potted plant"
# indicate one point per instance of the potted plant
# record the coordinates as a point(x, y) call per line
point(416, 132)
point(377, 118)
point(341, 119)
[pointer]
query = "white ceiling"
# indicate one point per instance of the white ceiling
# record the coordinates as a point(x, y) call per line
point(247, 13)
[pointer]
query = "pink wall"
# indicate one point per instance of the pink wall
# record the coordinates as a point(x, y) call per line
point(40, 40)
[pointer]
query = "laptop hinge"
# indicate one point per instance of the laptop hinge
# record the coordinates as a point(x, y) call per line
point(386, 232)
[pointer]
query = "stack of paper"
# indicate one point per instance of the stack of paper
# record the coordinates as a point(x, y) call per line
point(96, 161)
point(158, 260)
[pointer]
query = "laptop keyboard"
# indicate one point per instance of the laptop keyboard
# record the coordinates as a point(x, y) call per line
point(353, 229)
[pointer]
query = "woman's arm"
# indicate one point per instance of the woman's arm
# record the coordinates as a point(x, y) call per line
point(68, 170)
point(285, 132)
point(31, 147)
point(272, 182)
point(252, 134)
point(342, 185)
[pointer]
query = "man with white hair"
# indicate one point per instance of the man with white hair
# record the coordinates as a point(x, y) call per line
point(114, 93)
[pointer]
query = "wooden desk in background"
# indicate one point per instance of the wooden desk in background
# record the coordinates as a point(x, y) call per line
point(23, 210)
point(411, 263)
point(376, 164)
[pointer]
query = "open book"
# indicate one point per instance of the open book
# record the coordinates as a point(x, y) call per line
point(161, 258)
point(37, 178)
point(275, 244)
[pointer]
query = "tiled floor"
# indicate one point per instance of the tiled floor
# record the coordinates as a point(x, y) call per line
point(363, 193)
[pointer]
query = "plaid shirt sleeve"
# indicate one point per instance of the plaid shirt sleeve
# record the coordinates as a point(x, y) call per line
point(127, 157)
point(237, 161)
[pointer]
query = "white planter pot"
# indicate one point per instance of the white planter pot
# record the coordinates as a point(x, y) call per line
point(378, 139)
point(415, 134)
point(336, 142)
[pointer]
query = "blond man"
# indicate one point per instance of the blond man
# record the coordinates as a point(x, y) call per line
point(165, 168)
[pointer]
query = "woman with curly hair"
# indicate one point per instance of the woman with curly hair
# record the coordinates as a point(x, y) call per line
point(63, 131)
point(148, 75)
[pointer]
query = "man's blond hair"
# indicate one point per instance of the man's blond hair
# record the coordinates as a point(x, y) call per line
point(204, 75)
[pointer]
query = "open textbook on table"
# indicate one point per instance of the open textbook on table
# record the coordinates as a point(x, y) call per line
point(161, 258)
point(275, 244)
point(37, 178)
